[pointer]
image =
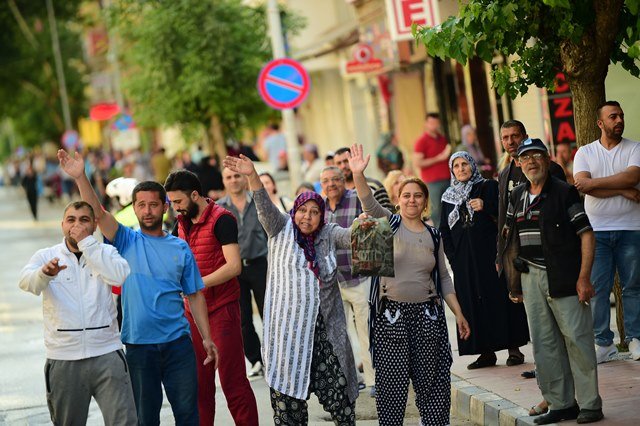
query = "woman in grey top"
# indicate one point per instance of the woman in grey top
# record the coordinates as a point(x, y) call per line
point(409, 337)
point(305, 343)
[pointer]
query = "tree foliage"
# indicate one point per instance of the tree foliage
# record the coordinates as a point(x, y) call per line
point(541, 38)
point(187, 61)
point(29, 91)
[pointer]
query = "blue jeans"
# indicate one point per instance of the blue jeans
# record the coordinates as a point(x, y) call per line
point(616, 250)
point(173, 365)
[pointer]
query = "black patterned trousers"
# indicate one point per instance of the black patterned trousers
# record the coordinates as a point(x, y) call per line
point(328, 382)
point(412, 344)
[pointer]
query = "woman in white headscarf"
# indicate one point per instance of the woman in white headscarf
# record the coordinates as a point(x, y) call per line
point(468, 228)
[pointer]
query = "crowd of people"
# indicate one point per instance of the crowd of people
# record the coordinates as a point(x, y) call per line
point(530, 261)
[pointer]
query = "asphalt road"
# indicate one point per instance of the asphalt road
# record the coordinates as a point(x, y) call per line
point(22, 354)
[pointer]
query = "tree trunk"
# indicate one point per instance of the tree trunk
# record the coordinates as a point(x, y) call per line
point(617, 292)
point(585, 63)
point(587, 95)
point(216, 140)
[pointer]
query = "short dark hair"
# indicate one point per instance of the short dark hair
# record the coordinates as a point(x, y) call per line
point(342, 150)
point(183, 180)
point(150, 186)
point(514, 123)
point(432, 115)
point(604, 104)
point(77, 205)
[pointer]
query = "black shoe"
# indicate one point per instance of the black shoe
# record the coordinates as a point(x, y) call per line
point(531, 374)
point(515, 359)
point(483, 361)
point(555, 416)
point(590, 416)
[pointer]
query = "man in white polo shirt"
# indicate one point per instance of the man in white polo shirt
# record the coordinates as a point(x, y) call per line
point(608, 172)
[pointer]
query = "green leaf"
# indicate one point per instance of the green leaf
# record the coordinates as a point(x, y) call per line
point(633, 5)
point(484, 51)
point(566, 4)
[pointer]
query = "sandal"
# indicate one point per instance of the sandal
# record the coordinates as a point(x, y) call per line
point(540, 408)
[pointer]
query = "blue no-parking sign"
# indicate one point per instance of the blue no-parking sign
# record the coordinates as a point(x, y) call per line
point(283, 83)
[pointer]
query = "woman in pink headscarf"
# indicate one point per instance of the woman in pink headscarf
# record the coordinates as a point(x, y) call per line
point(306, 348)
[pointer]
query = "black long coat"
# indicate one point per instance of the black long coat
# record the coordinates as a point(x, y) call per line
point(496, 323)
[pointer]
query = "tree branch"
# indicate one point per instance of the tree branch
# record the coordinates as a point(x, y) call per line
point(22, 24)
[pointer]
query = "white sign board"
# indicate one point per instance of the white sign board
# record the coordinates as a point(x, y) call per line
point(403, 13)
point(124, 140)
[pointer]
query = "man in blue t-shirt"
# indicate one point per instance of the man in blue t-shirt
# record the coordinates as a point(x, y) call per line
point(154, 328)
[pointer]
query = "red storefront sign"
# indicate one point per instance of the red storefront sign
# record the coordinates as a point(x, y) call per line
point(403, 13)
point(561, 112)
point(363, 60)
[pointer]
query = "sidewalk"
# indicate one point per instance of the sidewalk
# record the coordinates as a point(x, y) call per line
point(500, 396)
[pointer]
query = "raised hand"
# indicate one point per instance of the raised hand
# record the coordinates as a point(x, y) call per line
point(240, 165)
point(357, 161)
point(78, 233)
point(73, 166)
point(53, 267)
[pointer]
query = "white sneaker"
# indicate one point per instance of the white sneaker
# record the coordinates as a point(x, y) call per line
point(634, 348)
point(256, 372)
point(606, 353)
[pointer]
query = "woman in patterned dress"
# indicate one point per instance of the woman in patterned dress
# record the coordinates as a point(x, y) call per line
point(409, 337)
point(305, 344)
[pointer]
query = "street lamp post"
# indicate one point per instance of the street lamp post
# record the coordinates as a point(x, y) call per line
point(288, 117)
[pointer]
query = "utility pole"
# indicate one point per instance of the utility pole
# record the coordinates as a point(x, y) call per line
point(62, 84)
point(288, 117)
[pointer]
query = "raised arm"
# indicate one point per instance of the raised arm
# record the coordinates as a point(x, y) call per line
point(270, 217)
point(341, 236)
point(104, 261)
point(358, 163)
point(74, 167)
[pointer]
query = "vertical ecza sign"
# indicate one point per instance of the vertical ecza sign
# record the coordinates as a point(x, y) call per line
point(403, 13)
point(561, 112)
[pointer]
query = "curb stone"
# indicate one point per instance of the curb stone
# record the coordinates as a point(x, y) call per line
point(484, 407)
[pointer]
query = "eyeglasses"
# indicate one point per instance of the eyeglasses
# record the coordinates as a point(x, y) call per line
point(526, 157)
point(333, 179)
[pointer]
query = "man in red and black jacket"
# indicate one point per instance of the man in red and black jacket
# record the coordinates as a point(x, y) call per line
point(212, 233)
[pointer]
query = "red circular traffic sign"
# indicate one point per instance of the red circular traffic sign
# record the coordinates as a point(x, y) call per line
point(283, 83)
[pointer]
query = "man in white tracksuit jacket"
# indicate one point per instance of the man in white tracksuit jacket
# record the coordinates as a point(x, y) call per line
point(84, 352)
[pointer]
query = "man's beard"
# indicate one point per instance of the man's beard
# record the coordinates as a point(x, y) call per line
point(348, 175)
point(536, 177)
point(611, 133)
point(191, 210)
point(155, 225)
point(73, 244)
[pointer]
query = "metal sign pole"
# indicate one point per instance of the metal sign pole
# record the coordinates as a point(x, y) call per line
point(288, 117)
